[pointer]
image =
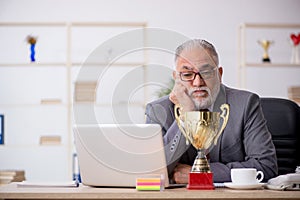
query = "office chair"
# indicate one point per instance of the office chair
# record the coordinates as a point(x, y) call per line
point(283, 121)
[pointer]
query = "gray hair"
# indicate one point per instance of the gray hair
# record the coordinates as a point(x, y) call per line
point(198, 43)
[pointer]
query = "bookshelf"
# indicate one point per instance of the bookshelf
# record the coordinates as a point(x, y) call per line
point(250, 53)
point(37, 98)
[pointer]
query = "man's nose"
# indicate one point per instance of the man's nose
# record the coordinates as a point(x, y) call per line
point(198, 81)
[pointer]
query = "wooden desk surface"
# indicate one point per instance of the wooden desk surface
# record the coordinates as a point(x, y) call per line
point(12, 191)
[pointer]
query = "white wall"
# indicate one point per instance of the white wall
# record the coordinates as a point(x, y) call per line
point(214, 20)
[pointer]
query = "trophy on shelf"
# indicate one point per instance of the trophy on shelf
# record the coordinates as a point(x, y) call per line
point(202, 129)
point(32, 41)
point(265, 45)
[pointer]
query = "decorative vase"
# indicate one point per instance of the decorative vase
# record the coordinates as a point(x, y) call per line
point(295, 48)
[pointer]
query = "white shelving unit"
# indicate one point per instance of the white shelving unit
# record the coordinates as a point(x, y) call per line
point(37, 98)
point(250, 52)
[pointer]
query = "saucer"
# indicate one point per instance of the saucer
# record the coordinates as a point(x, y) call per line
point(244, 187)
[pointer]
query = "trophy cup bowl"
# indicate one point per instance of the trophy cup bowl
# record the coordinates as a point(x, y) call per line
point(201, 129)
point(265, 45)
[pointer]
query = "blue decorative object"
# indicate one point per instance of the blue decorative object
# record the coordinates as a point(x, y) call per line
point(32, 54)
point(32, 41)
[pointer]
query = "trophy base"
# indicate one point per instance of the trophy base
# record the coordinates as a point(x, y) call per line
point(201, 181)
point(266, 60)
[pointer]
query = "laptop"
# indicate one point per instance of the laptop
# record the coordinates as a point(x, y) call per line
point(115, 155)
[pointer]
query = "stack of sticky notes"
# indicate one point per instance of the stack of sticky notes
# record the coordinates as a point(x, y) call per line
point(149, 183)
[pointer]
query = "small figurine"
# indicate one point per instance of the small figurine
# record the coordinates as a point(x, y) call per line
point(32, 41)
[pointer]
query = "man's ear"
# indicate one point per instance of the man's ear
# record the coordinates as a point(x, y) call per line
point(174, 75)
point(220, 71)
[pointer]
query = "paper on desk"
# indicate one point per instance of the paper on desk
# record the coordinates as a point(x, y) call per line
point(48, 184)
point(219, 185)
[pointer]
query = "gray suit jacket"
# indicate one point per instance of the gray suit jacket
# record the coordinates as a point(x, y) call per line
point(245, 142)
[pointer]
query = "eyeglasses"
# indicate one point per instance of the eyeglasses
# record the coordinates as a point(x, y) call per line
point(190, 76)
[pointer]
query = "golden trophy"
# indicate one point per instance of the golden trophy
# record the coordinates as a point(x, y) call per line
point(202, 129)
point(265, 45)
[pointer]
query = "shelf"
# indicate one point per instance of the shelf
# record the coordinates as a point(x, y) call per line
point(32, 146)
point(108, 104)
point(110, 24)
point(32, 105)
point(117, 64)
point(271, 65)
point(84, 24)
point(75, 64)
point(248, 34)
point(26, 24)
point(52, 79)
point(43, 102)
point(268, 26)
point(54, 64)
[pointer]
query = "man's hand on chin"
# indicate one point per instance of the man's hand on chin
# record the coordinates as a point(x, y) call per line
point(179, 95)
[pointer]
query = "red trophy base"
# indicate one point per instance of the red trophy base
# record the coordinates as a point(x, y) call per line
point(201, 181)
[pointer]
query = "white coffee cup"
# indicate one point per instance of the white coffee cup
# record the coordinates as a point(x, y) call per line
point(246, 176)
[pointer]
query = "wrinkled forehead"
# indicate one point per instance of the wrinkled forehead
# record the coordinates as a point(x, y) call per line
point(195, 58)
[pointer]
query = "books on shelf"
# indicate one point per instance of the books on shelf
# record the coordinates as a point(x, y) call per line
point(50, 140)
point(294, 93)
point(51, 101)
point(8, 176)
point(85, 91)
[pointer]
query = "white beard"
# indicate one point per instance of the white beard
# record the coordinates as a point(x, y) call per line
point(206, 103)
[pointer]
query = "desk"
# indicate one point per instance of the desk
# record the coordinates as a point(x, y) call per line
point(11, 191)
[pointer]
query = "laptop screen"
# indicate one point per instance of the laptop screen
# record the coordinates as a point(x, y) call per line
point(118, 154)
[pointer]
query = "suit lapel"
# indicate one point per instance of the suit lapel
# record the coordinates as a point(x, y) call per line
point(221, 99)
point(171, 108)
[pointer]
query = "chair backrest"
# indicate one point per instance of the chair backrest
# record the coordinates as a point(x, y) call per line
point(283, 121)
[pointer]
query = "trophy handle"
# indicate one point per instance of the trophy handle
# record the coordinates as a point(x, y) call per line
point(224, 115)
point(177, 113)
